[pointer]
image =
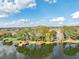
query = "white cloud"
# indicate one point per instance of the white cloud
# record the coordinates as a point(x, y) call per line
point(50, 1)
point(11, 7)
point(17, 23)
point(58, 19)
point(54, 1)
point(72, 24)
point(3, 15)
point(21, 23)
point(29, 23)
point(75, 15)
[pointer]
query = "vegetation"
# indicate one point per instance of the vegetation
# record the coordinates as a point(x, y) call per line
point(71, 32)
point(43, 51)
point(41, 33)
point(34, 33)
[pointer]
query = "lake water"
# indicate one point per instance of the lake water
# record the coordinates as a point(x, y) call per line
point(67, 51)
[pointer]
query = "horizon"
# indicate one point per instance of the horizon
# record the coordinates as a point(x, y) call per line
point(41, 26)
point(30, 13)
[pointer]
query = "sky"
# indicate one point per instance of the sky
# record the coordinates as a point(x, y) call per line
point(28, 13)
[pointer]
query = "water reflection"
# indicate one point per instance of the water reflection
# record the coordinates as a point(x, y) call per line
point(9, 52)
point(71, 49)
point(58, 52)
point(67, 51)
point(36, 51)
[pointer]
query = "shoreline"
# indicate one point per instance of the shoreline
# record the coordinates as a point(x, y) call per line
point(29, 42)
point(47, 42)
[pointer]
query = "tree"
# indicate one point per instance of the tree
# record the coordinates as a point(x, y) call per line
point(51, 35)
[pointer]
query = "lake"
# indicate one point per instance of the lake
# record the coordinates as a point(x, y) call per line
point(51, 51)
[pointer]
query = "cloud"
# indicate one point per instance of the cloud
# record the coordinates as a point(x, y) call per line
point(9, 7)
point(22, 23)
point(3, 15)
point(58, 19)
point(72, 24)
point(29, 23)
point(50, 1)
point(17, 23)
point(75, 15)
point(54, 1)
